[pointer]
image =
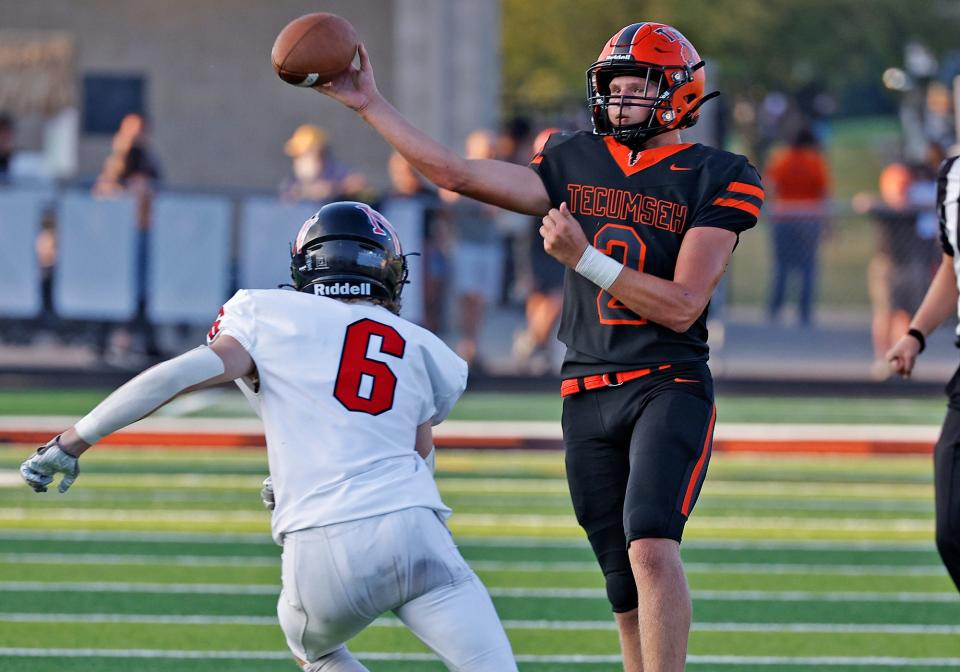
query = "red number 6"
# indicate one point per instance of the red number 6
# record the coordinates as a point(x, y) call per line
point(355, 365)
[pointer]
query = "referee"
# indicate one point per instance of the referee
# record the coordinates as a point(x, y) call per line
point(940, 302)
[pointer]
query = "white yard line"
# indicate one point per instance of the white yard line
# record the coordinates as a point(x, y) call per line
point(727, 567)
point(779, 523)
point(452, 484)
point(510, 624)
point(130, 587)
point(136, 515)
point(152, 619)
point(464, 540)
point(866, 546)
point(110, 559)
point(810, 596)
point(561, 593)
point(867, 661)
point(482, 565)
point(557, 522)
point(738, 595)
point(149, 537)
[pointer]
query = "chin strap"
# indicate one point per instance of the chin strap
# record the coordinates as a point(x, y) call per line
point(693, 110)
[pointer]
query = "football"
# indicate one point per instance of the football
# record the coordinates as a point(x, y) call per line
point(314, 49)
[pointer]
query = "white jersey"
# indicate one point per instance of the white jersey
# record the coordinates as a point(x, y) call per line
point(342, 390)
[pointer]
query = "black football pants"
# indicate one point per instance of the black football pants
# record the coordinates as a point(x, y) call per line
point(946, 478)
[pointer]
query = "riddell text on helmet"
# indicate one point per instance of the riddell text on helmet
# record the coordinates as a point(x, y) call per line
point(343, 289)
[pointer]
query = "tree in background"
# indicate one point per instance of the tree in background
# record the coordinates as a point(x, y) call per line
point(753, 47)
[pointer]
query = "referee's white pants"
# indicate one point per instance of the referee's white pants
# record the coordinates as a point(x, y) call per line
point(339, 578)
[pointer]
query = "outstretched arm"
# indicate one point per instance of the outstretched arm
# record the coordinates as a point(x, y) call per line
point(201, 367)
point(497, 182)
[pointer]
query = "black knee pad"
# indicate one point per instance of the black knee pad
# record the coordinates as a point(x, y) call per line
point(621, 591)
point(610, 548)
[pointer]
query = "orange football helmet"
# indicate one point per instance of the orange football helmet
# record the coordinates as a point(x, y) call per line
point(666, 59)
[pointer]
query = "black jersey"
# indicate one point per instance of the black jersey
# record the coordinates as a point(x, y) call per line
point(637, 207)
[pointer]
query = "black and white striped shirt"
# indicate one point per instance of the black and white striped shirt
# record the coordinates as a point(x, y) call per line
point(948, 212)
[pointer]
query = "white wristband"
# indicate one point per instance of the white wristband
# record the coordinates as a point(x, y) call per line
point(598, 268)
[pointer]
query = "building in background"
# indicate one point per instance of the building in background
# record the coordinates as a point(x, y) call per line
point(201, 71)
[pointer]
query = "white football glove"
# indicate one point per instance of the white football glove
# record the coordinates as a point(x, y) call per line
point(266, 494)
point(39, 470)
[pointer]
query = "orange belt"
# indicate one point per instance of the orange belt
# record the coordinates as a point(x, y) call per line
point(615, 379)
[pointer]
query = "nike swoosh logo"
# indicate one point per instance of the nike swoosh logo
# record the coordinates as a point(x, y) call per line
point(674, 166)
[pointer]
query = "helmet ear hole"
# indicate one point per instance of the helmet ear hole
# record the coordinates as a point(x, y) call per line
point(689, 98)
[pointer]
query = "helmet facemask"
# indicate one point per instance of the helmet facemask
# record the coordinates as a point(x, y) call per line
point(660, 86)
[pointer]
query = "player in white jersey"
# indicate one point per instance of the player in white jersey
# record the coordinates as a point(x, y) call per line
point(348, 392)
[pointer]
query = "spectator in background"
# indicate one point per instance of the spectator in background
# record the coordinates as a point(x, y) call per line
point(316, 174)
point(798, 179)
point(132, 168)
point(479, 254)
point(45, 247)
point(922, 197)
point(416, 212)
point(132, 165)
point(531, 347)
point(6, 146)
point(513, 145)
point(899, 271)
point(513, 141)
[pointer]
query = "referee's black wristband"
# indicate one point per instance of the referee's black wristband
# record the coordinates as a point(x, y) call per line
point(917, 334)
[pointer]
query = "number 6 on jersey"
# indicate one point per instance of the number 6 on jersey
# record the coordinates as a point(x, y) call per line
point(367, 385)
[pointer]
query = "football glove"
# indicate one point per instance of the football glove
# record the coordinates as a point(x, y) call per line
point(39, 470)
point(266, 494)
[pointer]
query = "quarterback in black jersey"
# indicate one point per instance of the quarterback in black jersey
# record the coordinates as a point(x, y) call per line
point(645, 225)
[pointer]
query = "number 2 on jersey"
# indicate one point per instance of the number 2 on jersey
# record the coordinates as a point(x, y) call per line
point(367, 385)
point(623, 244)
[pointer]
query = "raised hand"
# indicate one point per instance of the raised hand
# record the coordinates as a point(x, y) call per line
point(354, 87)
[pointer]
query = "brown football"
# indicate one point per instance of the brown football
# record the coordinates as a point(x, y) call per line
point(314, 49)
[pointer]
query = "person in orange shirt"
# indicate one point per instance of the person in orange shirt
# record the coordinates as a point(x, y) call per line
point(799, 179)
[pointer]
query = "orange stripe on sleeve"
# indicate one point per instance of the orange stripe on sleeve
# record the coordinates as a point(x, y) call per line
point(695, 476)
point(740, 205)
point(537, 159)
point(744, 188)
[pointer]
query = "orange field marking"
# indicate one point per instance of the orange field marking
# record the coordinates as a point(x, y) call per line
point(226, 439)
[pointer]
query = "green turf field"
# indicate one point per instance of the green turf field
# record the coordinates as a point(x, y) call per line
point(505, 406)
point(796, 563)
